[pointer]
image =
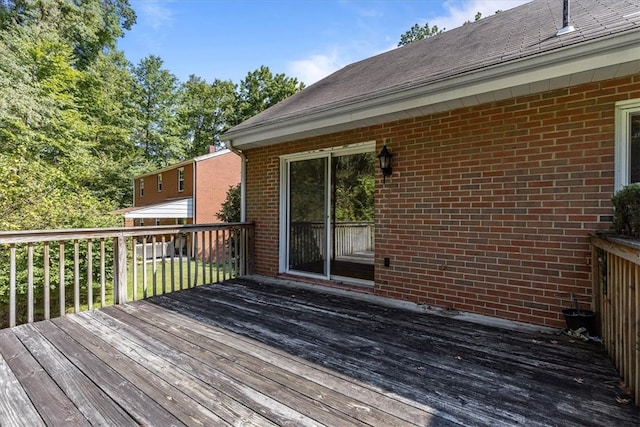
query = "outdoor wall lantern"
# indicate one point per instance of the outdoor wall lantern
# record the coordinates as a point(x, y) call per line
point(385, 162)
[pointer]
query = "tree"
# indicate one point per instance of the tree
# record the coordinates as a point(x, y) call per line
point(155, 98)
point(88, 27)
point(205, 111)
point(260, 90)
point(418, 32)
point(230, 210)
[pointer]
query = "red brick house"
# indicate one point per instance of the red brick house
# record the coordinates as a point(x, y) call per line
point(189, 192)
point(508, 137)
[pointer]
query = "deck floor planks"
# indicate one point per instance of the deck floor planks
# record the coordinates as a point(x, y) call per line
point(152, 400)
point(189, 390)
point(536, 393)
point(201, 359)
point(15, 407)
point(252, 354)
point(53, 405)
point(338, 345)
point(278, 370)
point(178, 366)
point(94, 404)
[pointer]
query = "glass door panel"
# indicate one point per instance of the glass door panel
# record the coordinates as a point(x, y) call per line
point(308, 216)
point(352, 210)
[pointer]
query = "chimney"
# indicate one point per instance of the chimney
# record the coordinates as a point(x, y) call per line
point(566, 27)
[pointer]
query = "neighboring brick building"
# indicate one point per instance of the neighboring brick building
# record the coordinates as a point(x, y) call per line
point(508, 142)
point(189, 192)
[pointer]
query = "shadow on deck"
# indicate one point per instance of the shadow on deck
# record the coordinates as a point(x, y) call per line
point(244, 353)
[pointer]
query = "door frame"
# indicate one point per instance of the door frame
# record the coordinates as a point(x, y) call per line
point(285, 161)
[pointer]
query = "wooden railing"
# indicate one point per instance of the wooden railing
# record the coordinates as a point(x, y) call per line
point(48, 273)
point(308, 240)
point(616, 281)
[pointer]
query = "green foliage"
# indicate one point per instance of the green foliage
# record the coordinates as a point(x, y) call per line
point(355, 185)
point(260, 90)
point(78, 121)
point(418, 32)
point(155, 97)
point(230, 210)
point(626, 219)
point(205, 112)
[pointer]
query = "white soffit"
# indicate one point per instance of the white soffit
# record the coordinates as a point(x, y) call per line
point(182, 208)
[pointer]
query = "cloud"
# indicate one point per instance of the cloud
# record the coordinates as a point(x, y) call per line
point(458, 12)
point(319, 65)
point(316, 67)
point(154, 13)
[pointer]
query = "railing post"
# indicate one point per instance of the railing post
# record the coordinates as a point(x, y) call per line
point(120, 270)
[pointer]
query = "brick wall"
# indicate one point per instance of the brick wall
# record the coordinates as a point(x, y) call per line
point(488, 209)
point(214, 177)
point(169, 186)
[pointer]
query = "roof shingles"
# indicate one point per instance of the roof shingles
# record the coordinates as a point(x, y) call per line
point(527, 30)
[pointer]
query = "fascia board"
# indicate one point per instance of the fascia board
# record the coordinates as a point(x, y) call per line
point(524, 76)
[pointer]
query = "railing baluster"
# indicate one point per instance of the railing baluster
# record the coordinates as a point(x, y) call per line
point(134, 271)
point(195, 258)
point(217, 256)
point(189, 251)
point(90, 274)
point(30, 282)
point(164, 272)
point(210, 256)
point(47, 282)
point(172, 243)
point(204, 263)
point(61, 287)
point(76, 276)
point(145, 293)
point(103, 275)
point(154, 266)
point(12, 285)
point(180, 264)
point(120, 273)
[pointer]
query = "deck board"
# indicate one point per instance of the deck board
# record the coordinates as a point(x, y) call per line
point(245, 353)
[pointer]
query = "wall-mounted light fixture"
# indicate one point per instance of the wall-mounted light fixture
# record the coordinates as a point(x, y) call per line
point(385, 162)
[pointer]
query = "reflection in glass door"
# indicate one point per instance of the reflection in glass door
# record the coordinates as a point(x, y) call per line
point(330, 225)
point(352, 216)
point(307, 215)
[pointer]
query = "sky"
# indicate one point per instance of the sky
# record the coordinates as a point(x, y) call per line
point(306, 39)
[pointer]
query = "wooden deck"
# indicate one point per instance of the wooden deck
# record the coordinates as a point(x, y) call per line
point(241, 353)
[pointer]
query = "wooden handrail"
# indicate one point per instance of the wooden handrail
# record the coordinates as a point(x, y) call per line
point(616, 288)
point(30, 264)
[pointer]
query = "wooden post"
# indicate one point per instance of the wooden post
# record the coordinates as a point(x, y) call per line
point(120, 276)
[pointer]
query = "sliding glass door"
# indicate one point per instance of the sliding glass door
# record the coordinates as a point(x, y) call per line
point(328, 200)
point(308, 215)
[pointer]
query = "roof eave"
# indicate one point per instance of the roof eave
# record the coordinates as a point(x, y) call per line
point(599, 59)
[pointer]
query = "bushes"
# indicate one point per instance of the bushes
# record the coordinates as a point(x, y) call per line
point(626, 219)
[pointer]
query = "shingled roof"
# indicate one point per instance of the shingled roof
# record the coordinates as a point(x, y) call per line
point(507, 54)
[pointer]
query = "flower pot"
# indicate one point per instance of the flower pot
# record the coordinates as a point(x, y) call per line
point(577, 319)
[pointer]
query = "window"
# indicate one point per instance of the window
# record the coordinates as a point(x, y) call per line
point(157, 221)
point(627, 143)
point(141, 187)
point(181, 179)
point(159, 182)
